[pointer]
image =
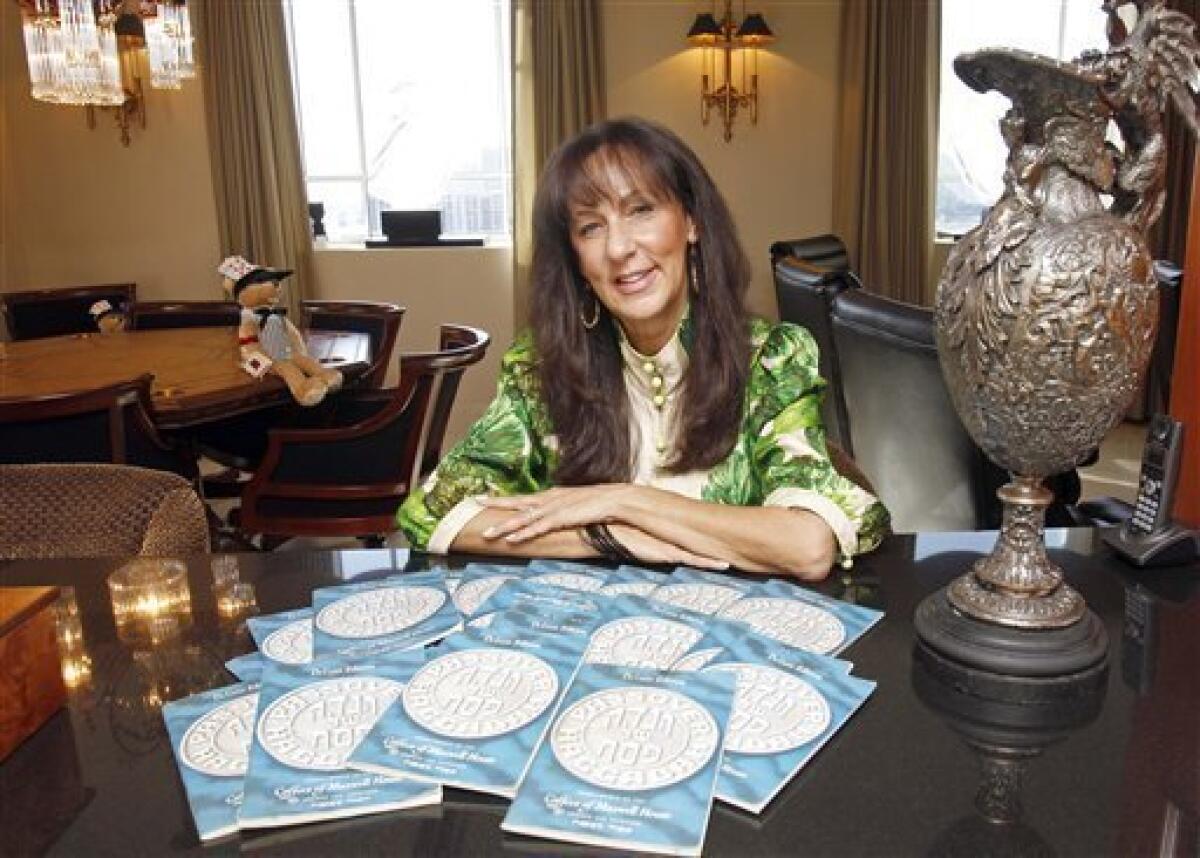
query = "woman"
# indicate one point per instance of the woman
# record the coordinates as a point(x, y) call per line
point(645, 417)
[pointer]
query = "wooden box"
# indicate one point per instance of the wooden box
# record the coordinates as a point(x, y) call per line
point(31, 685)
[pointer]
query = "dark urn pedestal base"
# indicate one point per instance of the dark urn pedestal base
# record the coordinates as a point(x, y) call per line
point(991, 648)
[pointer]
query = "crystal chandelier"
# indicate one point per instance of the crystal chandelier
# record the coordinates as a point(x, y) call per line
point(91, 52)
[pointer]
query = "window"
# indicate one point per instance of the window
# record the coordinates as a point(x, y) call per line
point(404, 105)
point(971, 153)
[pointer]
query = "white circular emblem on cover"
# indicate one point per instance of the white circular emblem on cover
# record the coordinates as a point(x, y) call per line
point(641, 642)
point(629, 588)
point(789, 622)
point(773, 710)
point(471, 594)
point(385, 611)
point(479, 693)
point(290, 644)
point(696, 596)
point(317, 726)
point(634, 739)
point(571, 581)
point(218, 744)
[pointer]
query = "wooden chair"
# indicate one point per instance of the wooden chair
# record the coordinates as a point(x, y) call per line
point(348, 480)
point(155, 315)
point(379, 321)
point(108, 424)
point(55, 312)
point(61, 510)
point(239, 443)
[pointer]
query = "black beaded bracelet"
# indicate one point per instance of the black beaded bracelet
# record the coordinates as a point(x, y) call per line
point(601, 539)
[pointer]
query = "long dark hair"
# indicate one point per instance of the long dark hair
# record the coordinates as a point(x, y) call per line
point(580, 370)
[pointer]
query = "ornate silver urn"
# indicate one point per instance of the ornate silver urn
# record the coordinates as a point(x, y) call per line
point(1046, 312)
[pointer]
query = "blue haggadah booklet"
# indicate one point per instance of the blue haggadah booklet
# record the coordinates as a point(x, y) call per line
point(629, 761)
point(802, 618)
point(210, 736)
point(639, 632)
point(788, 703)
point(538, 596)
point(373, 617)
point(700, 590)
point(632, 581)
point(568, 574)
point(473, 714)
point(285, 638)
point(479, 583)
point(248, 667)
point(309, 719)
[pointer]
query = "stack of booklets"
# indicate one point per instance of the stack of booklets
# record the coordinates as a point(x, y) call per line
point(611, 706)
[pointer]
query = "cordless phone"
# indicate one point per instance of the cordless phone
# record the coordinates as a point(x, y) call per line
point(1150, 538)
point(1160, 468)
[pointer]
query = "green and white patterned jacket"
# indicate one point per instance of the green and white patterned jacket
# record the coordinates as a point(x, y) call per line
point(779, 458)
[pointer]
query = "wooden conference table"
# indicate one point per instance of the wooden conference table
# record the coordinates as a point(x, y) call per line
point(1116, 778)
point(197, 376)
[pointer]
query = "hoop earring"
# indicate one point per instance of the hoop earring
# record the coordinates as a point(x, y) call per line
point(595, 320)
point(694, 269)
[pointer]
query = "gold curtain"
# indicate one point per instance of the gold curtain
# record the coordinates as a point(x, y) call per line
point(558, 90)
point(254, 145)
point(885, 169)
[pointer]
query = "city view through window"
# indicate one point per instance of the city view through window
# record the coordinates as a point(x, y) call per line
point(395, 115)
point(971, 153)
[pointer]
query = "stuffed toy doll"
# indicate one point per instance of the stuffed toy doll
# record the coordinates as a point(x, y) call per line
point(269, 342)
point(108, 319)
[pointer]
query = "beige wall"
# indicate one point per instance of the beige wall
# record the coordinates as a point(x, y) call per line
point(777, 175)
point(81, 208)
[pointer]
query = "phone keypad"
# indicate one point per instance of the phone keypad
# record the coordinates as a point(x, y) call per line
point(1149, 493)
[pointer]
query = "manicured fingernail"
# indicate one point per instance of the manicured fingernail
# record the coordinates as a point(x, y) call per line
point(490, 532)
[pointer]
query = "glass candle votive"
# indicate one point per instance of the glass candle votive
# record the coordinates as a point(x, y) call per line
point(150, 599)
point(225, 572)
point(236, 601)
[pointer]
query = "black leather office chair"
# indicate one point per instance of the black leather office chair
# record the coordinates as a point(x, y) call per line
point(907, 437)
point(808, 273)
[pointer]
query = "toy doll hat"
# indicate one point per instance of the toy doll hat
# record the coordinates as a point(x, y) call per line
point(244, 273)
point(102, 308)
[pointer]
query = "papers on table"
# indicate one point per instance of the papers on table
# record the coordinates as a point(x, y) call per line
point(613, 706)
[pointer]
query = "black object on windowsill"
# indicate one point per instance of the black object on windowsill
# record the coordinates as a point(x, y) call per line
point(316, 214)
point(417, 229)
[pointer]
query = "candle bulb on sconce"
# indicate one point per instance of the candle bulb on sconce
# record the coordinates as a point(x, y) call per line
point(723, 39)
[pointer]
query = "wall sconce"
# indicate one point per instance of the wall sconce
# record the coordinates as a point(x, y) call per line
point(726, 38)
point(90, 53)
